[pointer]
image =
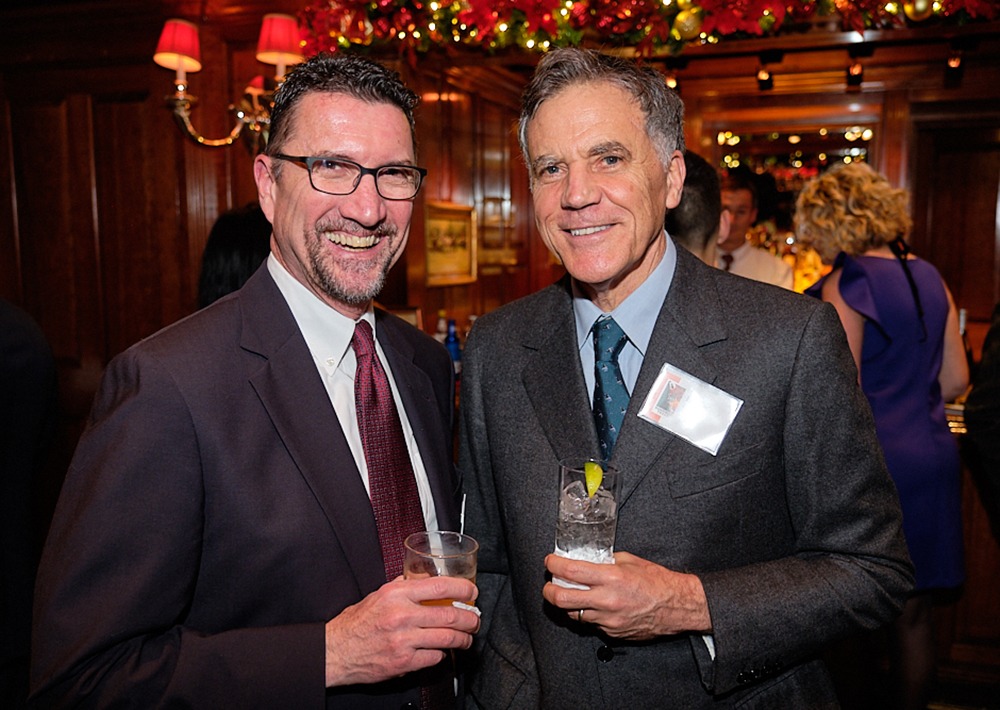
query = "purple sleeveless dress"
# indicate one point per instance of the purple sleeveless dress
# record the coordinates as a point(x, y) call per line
point(899, 371)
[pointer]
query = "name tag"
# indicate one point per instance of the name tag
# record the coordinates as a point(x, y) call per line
point(694, 410)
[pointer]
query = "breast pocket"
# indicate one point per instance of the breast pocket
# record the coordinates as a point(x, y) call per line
point(707, 472)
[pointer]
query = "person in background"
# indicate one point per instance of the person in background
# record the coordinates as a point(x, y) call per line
point(902, 327)
point(736, 254)
point(742, 549)
point(699, 220)
point(28, 412)
point(982, 421)
point(230, 533)
point(238, 244)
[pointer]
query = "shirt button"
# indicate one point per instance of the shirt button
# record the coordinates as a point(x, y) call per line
point(605, 654)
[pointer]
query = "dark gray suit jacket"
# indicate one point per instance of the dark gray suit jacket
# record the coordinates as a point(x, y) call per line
point(213, 518)
point(794, 527)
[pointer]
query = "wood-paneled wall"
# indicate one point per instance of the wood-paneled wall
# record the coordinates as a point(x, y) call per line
point(105, 208)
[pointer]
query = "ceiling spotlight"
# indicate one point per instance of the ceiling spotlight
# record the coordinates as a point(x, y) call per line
point(672, 82)
point(855, 73)
point(765, 82)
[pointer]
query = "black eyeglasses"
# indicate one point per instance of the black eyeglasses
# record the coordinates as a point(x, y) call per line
point(336, 176)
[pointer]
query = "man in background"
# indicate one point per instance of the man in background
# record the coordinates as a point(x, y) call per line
point(736, 254)
point(230, 532)
point(756, 521)
point(699, 220)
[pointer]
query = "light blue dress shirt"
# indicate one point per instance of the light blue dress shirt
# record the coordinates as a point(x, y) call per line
point(636, 316)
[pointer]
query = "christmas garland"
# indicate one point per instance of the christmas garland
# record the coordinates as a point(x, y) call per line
point(414, 26)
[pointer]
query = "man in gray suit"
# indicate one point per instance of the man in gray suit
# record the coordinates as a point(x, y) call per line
point(753, 528)
point(222, 539)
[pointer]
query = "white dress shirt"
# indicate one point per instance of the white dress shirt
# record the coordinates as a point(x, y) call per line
point(328, 336)
point(758, 264)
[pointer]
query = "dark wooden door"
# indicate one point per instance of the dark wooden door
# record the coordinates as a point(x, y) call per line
point(955, 182)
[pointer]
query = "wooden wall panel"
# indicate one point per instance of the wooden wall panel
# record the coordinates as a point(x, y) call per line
point(956, 186)
point(146, 274)
point(54, 177)
point(10, 259)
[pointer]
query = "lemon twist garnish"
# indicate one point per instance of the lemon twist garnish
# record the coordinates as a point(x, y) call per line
point(594, 474)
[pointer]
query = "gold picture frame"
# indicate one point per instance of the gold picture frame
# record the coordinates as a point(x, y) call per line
point(450, 244)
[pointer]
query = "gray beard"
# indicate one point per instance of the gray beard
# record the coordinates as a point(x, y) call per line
point(341, 292)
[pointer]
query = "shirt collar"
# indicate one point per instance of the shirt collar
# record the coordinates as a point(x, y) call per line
point(740, 251)
point(327, 332)
point(637, 314)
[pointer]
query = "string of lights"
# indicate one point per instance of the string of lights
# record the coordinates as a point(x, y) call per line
point(647, 25)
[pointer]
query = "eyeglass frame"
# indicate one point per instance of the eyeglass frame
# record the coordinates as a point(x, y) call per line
point(310, 160)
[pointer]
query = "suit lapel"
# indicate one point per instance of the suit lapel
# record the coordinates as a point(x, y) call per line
point(417, 394)
point(553, 378)
point(680, 332)
point(295, 398)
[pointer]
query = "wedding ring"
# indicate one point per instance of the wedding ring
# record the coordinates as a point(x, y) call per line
point(579, 616)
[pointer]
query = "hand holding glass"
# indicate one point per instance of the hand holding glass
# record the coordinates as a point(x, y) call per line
point(588, 513)
point(440, 554)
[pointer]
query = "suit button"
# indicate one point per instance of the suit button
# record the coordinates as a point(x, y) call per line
point(605, 654)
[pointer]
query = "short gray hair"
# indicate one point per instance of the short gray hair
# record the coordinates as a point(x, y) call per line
point(562, 68)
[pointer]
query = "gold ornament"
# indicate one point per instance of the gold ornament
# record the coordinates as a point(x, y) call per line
point(685, 4)
point(918, 10)
point(687, 25)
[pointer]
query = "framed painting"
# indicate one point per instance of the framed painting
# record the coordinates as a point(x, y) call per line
point(450, 244)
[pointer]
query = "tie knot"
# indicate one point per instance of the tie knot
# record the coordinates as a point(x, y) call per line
point(609, 339)
point(363, 342)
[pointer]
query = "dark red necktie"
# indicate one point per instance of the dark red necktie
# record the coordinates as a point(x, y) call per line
point(727, 259)
point(392, 487)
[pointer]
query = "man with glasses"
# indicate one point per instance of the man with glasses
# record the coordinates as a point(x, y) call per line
point(231, 529)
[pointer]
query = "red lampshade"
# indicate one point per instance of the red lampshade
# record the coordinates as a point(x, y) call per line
point(279, 41)
point(178, 47)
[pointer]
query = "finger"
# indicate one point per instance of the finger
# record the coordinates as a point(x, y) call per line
point(441, 638)
point(455, 615)
point(569, 599)
point(586, 573)
point(441, 589)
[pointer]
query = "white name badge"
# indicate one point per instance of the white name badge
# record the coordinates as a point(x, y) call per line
point(694, 410)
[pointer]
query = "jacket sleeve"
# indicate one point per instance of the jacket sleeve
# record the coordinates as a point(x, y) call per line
point(850, 570)
point(122, 563)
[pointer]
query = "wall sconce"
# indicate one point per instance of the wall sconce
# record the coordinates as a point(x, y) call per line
point(179, 49)
point(855, 73)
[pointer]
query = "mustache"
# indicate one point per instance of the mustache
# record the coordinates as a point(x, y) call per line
point(356, 228)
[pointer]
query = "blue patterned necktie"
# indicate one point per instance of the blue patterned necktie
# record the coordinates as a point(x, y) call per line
point(610, 393)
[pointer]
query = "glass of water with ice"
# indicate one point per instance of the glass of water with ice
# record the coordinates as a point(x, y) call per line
point(588, 512)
